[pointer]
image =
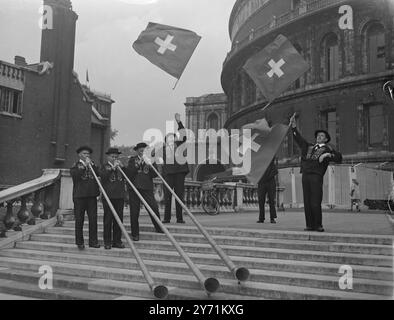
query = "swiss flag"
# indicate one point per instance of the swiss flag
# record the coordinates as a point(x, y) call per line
point(276, 67)
point(167, 47)
point(265, 143)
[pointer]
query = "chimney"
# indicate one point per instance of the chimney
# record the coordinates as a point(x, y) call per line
point(20, 61)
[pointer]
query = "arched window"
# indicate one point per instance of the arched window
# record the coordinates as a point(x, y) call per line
point(331, 57)
point(299, 81)
point(375, 48)
point(213, 121)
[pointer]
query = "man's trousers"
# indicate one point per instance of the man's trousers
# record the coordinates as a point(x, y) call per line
point(264, 189)
point(312, 185)
point(177, 183)
point(112, 232)
point(82, 205)
point(135, 206)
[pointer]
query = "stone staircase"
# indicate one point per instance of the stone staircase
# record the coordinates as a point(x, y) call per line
point(283, 265)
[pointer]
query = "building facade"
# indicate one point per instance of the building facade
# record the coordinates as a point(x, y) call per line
point(45, 111)
point(341, 92)
point(205, 112)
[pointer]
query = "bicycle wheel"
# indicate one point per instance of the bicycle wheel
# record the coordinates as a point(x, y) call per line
point(210, 204)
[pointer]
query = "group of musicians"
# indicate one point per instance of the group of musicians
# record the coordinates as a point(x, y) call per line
point(141, 171)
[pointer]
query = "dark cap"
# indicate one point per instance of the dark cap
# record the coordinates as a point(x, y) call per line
point(84, 148)
point(113, 151)
point(326, 134)
point(140, 145)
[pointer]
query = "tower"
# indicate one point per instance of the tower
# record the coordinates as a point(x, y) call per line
point(58, 47)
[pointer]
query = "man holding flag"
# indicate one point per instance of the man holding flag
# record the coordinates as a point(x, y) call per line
point(315, 158)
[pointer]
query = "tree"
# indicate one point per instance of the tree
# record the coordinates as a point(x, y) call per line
point(114, 133)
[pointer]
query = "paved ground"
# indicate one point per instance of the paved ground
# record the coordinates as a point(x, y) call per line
point(371, 222)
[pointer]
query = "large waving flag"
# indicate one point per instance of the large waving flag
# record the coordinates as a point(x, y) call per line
point(276, 67)
point(167, 47)
point(265, 145)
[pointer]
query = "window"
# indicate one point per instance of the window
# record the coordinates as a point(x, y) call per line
point(297, 83)
point(376, 48)
point(295, 4)
point(332, 58)
point(10, 101)
point(213, 121)
point(375, 126)
point(329, 123)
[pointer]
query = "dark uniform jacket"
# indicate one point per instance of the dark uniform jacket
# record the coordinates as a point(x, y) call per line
point(270, 173)
point(311, 153)
point(170, 165)
point(112, 181)
point(85, 185)
point(140, 174)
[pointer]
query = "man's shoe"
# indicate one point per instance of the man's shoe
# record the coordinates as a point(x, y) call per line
point(166, 221)
point(260, 221)
point(181, 222)
point(136, 239)
point(94, 246)
point(159, 231)
point(273, 221)
point(107, 247)
point(118, 246)
point(320, 229)
point(81, 247)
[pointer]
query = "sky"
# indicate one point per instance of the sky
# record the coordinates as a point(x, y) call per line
point(106, 29)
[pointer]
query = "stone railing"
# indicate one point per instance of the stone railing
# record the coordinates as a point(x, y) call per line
point(233, 197)
point(30, 201)
point(51, 196)
point(10, 71)
point(310, 7)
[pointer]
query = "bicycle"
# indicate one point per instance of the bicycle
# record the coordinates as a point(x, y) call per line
point(209, 200)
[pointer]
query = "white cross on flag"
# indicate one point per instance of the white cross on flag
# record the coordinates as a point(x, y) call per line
point(276, 67)
point(167, 47)
point(265, 144)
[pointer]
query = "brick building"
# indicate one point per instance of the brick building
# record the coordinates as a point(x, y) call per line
point(45, 111)
point(342, 91)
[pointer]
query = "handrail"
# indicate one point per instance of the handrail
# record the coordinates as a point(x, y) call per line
point(242, 274)
point(159, 291)
point(209, 284)
point(47, 179)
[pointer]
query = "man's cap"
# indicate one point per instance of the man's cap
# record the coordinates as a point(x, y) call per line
point(84, 148)
point(326, 134)
point(140, 145)
point(113, 151)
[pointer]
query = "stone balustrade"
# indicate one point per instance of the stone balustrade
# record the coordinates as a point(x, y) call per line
point(30, 201)
point(11, 71)
point(51, 195)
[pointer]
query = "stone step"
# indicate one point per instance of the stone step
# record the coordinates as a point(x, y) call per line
point(307, 280)
point(11, 297)
point(311, 245)
point(263, 290)
point(189, 228)
point(208, 259)
point(141, 291)
point(67, 235)
point(32, 290)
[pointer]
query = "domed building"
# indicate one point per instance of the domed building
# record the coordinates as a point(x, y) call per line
point(341, 92)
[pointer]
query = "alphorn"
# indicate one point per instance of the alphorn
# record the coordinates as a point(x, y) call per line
point(209, 284)
point(241, 273)
point(159, 291)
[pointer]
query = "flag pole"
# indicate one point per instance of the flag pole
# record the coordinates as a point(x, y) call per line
point(267, 106)
point(176, 83)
